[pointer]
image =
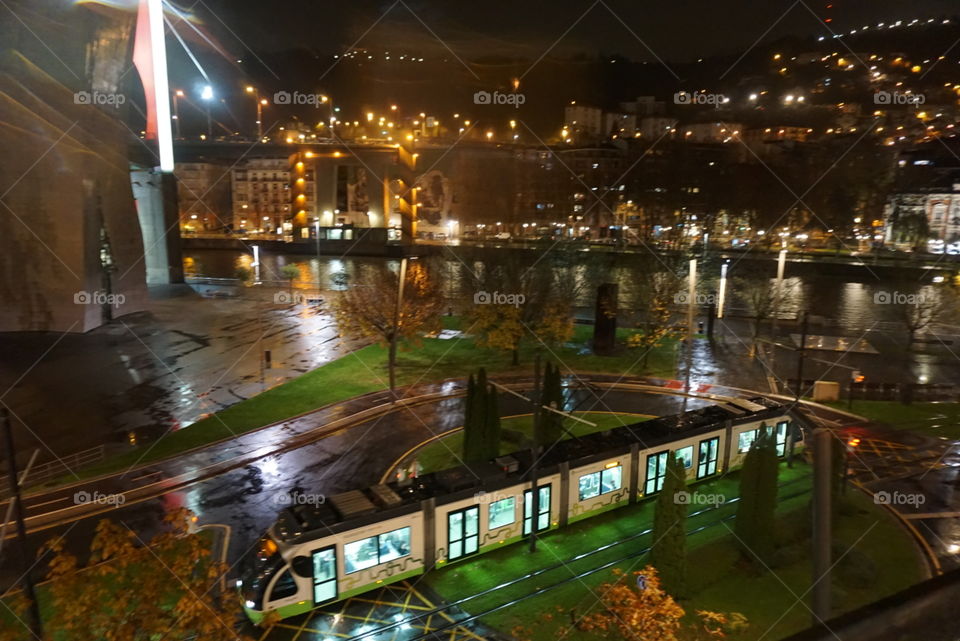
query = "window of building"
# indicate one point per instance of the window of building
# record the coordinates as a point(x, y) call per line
point(286, 586)
point(375, 550)
point(502, 513)
point(686, 455)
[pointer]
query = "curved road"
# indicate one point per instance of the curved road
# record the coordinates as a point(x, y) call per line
point(244, 482)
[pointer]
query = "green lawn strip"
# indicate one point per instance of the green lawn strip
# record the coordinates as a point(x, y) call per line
point(364, 371)
point(492, 569)
point(442, 453)
point(933, 419)
point(717, 582)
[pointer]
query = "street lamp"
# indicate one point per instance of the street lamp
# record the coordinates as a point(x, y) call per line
point(260, 103)
point(176, 108)
point(206, 94)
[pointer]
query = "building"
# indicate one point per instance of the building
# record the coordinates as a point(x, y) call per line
point(204, 196)
point(262, 197)
point(653, 128)
point(620, 125)
point(715, 132)
point(583, 122)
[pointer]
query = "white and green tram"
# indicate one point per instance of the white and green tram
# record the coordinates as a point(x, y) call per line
point(363, 539)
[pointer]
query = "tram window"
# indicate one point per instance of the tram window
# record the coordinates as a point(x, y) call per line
point(782, 438)
point(707, 463)
point(602, 482)
point(366, 553)
point(361, 554)
point(610, 479)
point(686, 455)
point(746, 440)
point(394, 544)
point(502, 513)
point(589, 486)
point(286, 586)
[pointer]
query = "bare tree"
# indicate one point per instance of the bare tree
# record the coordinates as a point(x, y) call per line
point(370, 309)
point(762, 295)
point(927, 307)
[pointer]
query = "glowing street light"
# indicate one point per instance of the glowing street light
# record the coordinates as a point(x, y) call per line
point(206, 94)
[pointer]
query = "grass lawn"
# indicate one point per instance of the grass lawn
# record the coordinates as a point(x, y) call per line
point(517, 431)
point(934, 419)
point(365, 370)
point(717, 578)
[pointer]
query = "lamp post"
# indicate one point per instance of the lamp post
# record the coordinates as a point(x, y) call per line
point(260, 103)
point(207, 96)
point(176, 109)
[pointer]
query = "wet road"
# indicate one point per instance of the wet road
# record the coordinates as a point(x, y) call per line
point(249, 497)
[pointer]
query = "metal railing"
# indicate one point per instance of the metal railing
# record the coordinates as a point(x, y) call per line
point(42, 472)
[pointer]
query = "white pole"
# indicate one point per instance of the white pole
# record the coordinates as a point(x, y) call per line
point(158, 50)
point(691, 297)
point(722, 298)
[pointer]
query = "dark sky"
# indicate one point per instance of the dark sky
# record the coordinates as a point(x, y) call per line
point(677, 30)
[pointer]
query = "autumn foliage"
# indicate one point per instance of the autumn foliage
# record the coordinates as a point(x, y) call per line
point(634, 607)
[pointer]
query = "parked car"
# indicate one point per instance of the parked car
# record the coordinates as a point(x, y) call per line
point(504, 235)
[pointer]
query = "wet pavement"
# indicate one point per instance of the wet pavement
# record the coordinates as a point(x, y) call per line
point(144, 374)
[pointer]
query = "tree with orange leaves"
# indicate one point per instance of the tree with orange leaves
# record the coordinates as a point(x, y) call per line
point(638, 610)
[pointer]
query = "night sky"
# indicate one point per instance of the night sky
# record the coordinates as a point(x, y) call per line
point(680, 30)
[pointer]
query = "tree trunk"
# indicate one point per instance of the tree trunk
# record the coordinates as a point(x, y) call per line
point(516, 356)
point(391, 367)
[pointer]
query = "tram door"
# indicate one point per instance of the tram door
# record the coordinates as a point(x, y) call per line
point(656, 472)
point(325, 575)
point(463, 532)
point(543, 507)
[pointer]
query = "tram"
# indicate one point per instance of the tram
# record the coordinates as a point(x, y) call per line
point(357, 541)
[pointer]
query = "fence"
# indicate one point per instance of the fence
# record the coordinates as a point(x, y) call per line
point(42, 472)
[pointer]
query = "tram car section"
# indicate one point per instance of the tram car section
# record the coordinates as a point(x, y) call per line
point(356, 541)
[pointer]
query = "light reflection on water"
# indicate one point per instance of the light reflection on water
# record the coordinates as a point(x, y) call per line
point(849, 302)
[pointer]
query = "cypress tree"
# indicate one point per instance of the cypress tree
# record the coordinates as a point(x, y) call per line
point(491, 432)
point(481, 420)
point(669, 551)
point(755, 522)
point(552, 397)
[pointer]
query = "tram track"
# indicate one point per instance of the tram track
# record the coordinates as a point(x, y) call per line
point(557, 566)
